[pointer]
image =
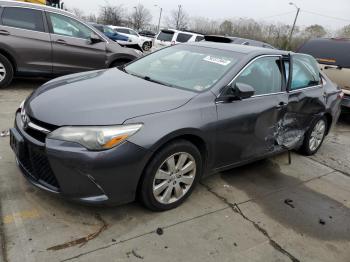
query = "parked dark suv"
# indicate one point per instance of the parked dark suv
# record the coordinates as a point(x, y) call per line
point(39, 40)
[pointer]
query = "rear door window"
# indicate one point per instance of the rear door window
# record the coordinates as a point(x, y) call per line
point(183, 38)
point(23, 18)
point(123, 31)
point(165, 36)
point(305, 72)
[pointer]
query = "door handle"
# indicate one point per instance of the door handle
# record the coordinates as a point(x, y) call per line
point(4, 32)
point(280, 105)
point(60, 41)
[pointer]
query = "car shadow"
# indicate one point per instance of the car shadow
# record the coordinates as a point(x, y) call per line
point(26, 83)
point(292, 203)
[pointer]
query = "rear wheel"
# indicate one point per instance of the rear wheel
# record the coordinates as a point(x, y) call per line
point(314, 137)
point(171, 176)
point(6, 71)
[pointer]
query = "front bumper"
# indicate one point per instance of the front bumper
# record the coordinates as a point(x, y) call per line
point(69, 170)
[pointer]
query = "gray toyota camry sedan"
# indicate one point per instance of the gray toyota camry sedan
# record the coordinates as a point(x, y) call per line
point(150, 130)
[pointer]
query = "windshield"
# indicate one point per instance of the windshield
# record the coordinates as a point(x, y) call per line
point(188, 67)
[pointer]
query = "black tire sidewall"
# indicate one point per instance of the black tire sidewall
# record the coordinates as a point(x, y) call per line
point(146, 189)
point(144, 44)
point(306, 147)
point(9, 71)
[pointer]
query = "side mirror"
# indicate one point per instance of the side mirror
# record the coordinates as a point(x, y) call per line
point(94, 39)
point(242, 91)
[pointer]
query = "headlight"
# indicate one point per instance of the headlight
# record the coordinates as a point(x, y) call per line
point(22, 104)
point(96, 138)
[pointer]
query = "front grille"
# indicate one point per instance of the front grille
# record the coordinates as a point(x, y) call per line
point(37, 134)
point(35, 162)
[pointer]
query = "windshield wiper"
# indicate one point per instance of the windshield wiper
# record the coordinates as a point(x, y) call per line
point(147, 78)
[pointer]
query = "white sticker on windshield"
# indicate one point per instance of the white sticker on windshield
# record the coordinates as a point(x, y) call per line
point(217, 60)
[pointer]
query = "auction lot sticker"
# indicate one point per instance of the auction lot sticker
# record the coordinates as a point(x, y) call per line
point(217, 60)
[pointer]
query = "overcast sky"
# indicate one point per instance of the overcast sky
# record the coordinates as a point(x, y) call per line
point(267, 10)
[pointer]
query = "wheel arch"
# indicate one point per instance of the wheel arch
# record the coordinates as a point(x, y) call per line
point(126, 58)
point(191, 135)
point(10, 57)
point(329, 119)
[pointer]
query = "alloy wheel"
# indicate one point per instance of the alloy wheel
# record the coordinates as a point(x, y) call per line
point(2, 72)
point(317, 135)
point(146, 46)
point(174, 178)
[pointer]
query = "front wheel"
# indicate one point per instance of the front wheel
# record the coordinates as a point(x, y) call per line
point(146, 46)
point(6, 71)
point(314, 137)
point(171, 176)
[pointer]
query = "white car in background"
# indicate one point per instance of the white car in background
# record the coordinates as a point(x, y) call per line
point(168, 37)
point(138, 42)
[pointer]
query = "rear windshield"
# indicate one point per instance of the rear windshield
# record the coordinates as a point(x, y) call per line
point(165, 36)
point(330, 52)
point(182, 38)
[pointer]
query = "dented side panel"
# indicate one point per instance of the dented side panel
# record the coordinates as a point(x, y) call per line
point(304, 106)
point(246, 129)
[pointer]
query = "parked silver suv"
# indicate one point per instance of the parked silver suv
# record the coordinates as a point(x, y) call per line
point(39, 40)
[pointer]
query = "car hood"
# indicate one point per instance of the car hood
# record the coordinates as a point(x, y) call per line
point(104, 97)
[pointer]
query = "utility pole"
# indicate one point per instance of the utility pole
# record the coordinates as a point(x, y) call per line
point(178, 17)
point(295, 21)
point(160, 16)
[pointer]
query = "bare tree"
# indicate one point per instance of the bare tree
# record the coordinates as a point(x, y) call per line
point(178, 19)
point(140, 17)
point(77, 12)
point(204, 25)
point(91, 18)
point(112, 15)
point(226, 27)
point(345, 31)
point(314, 31)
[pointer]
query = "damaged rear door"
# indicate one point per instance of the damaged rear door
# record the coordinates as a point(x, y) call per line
point(306, 100)
point(246, 128)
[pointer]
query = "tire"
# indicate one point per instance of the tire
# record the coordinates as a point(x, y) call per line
point(154, 193)
point(119, 63)
point(146, 46)
point(317, 132)
point(6, 72)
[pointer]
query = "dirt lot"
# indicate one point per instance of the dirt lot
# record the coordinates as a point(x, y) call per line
point(267, 211)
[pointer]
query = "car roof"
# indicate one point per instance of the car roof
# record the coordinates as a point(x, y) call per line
point(180, 31)
point(34, 6)
point(236, 40)
point(244, 49)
